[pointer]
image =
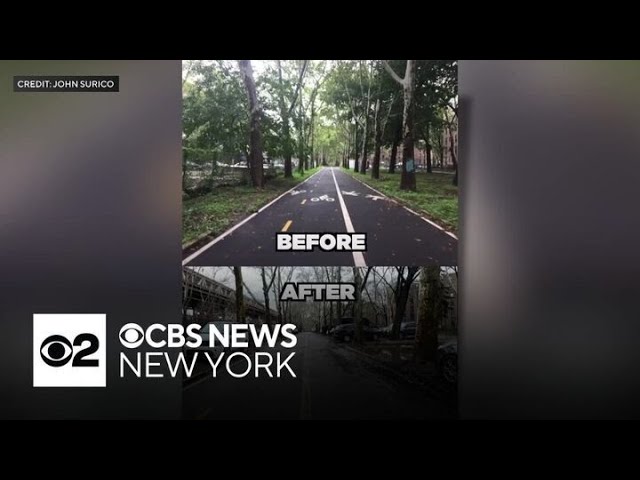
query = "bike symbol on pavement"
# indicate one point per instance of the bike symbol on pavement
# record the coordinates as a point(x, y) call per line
point(325, 198)
point(375, 197)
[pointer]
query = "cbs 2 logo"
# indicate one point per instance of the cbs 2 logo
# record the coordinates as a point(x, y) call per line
point(57, 351)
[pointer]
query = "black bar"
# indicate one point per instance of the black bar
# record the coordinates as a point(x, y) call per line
point(68, 83)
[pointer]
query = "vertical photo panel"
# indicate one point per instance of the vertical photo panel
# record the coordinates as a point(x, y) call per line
point(320, 162)
point(320, 342)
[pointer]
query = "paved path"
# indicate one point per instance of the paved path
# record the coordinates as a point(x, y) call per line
point(332, 382)
point(395, 236)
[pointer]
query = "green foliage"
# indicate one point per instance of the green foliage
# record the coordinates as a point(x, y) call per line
point(215, 105)
point(215, 113)
point(436, 88)
point(218, 210)
point(313, 115)
point(199, 156)
point(435, 197)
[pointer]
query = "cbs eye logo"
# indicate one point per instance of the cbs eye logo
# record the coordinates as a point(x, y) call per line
point(131, 335)
point(56, 351)
point(69, 350)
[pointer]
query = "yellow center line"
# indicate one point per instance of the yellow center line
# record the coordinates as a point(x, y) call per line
point(303, 201)
point(287, 225)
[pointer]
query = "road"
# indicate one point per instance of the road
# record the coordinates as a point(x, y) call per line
point(395, 236)
point(332, 382)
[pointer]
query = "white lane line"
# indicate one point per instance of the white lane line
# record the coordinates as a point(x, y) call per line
point(358, 257)
point(408, 209)
point(425, 219)
point(217, 239)
point(238, 225)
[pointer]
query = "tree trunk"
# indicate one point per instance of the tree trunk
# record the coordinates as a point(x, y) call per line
point(375, 167)
point(265, 291)
point(401, 304)
point(394, 149)
point(355, 141)
point(255, 136)
point(346, 149)
point(453, 156)
point(286, 129)
point(408, 180)
point(402, 295)
point(357, 307)
point(329, 320)
point(311, 132)
point(428, 145)
point(344, 155)
point(301, 146)
point(279, 288)
point(365, 133)
point(288, 171)
point(301, 157)
point(240, 317)
point(428, 314)
point(338, 280)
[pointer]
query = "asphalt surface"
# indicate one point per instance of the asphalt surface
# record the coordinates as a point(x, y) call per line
point(332, 382)
point(395, 236)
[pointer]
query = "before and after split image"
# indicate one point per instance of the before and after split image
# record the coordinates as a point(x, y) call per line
point(219, 239)
point(320, 198)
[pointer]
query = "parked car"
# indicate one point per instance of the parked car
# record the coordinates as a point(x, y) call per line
point(343, 321)
point(346, 332)
point(386, 331)
point(378, 332)
point(447, 361)
point(343, 333)
point(407, 330)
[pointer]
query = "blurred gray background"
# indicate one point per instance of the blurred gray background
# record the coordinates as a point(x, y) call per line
point(89, 223)
point(549, 256)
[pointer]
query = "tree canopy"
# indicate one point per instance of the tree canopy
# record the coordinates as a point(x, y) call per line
point(321, 112)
